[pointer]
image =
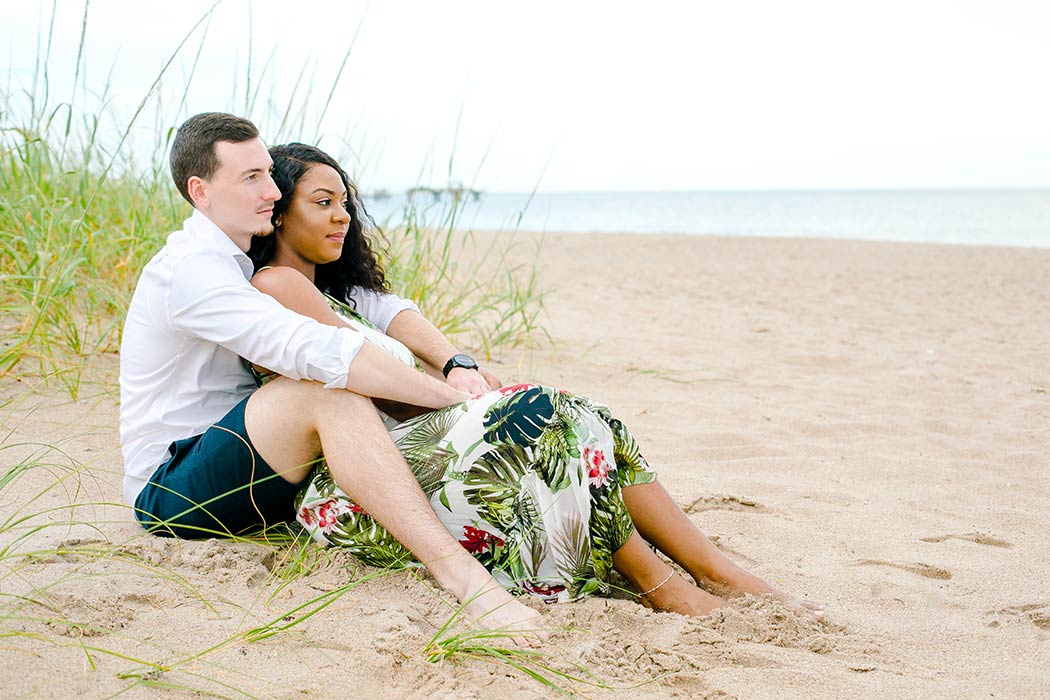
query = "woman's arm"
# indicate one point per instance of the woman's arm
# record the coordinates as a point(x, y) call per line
point(373, 372)
point(431, 346)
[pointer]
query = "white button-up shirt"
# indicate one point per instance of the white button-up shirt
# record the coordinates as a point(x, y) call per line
point(193, 316)
point(379, 307)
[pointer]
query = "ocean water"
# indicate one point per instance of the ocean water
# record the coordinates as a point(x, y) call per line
point(970, 217)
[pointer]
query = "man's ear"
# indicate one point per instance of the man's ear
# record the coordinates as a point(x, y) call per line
point(195, 188)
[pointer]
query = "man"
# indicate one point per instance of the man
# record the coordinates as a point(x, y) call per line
point(204, 451)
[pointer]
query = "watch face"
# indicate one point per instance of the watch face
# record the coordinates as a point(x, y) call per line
point(464, 361)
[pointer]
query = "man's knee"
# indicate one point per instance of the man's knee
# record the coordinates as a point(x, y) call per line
point(306, 398)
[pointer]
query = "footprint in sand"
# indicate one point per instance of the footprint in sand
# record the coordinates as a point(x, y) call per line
point(976, 537)
point(924, 570)
point(91, 616)
point(723, 502)
point(1036, 613)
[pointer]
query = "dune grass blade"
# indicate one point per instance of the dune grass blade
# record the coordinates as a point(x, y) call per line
point(311, 608)
point(79, 219)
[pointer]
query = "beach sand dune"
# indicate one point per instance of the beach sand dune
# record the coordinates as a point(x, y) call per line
point(863, 424)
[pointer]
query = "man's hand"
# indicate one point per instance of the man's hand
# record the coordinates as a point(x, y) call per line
point(492, 379)
point(470, 381)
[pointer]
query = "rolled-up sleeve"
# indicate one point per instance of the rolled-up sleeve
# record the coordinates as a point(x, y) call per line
point(379, 307)
point(212, 300)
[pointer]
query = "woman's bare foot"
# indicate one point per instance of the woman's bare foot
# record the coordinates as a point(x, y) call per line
point(680, 596)
point(734, 581)
point(804, 607)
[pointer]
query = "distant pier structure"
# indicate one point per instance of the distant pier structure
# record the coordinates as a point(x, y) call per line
point(456, 189)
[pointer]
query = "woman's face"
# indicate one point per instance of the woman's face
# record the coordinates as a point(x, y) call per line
point(315, 225)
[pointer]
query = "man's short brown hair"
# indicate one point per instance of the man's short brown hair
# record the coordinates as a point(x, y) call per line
point(193, 151)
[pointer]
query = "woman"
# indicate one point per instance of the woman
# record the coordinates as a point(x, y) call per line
point(545, 488)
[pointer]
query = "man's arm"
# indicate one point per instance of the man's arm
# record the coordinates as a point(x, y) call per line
point(376, 373)
point(430, 345)
point(211, 300)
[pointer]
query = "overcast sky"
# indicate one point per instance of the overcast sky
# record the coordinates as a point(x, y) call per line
point(753, 94)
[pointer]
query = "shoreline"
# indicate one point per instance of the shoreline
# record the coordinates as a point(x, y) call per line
point(756, 237)
point(1017, 217)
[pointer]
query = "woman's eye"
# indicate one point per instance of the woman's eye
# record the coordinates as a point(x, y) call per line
point(345, 204)
point(324, 202)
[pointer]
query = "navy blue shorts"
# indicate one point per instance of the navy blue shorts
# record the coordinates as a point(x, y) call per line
point(215, 484)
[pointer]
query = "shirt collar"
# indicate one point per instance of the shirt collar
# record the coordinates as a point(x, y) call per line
point(210, 235)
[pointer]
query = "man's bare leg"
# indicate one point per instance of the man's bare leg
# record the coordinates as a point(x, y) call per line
point(291, 423)
point(646, 572)
point(660, 521)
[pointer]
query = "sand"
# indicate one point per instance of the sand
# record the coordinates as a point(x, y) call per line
point(863, 424)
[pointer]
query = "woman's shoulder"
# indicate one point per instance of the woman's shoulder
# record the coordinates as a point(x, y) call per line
point(276, 277)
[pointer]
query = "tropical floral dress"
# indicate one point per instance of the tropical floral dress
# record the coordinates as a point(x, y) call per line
point(527, 478)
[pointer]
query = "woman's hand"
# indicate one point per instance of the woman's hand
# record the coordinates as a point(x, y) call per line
point(470, 381)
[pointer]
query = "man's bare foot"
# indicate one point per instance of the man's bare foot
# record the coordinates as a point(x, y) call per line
point(485, 602)
point(680, 596)
point(493, 608)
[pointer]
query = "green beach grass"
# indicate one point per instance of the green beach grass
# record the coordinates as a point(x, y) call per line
point(79, 218)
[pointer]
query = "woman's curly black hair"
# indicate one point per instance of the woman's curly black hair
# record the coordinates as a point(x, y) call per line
point(358, 265)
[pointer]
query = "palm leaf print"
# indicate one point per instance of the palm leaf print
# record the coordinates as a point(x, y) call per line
point(429, 467)
point(631, 467)
point(322, 481)
point(493, 481)
point(369, 541)
point(558, 444)
point(346, 310)
point(426, 432)
point(572, 551)
point(527, 512)
point(425, 448)
point(533, 547)
point(586, 404)
point(518, 419)
point(611, 527)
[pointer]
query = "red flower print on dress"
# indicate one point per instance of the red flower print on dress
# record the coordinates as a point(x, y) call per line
point(326, 514)
point(515, 388)
point(541, 590)
point(477, 541)
point(597, 466)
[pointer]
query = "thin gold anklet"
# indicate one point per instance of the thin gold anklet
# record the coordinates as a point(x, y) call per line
point(657, 586)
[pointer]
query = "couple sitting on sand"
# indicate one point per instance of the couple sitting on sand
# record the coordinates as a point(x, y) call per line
point(267, 373)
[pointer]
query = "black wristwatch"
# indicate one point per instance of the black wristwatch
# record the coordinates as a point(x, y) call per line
point(458, 360)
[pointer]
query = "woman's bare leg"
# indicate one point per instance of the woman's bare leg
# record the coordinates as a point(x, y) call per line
point(639, 565)
point(661, 522)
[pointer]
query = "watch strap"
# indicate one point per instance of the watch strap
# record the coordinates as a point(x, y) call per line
point(459, 360)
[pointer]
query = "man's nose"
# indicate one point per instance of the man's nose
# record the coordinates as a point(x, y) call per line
point(275, 192)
